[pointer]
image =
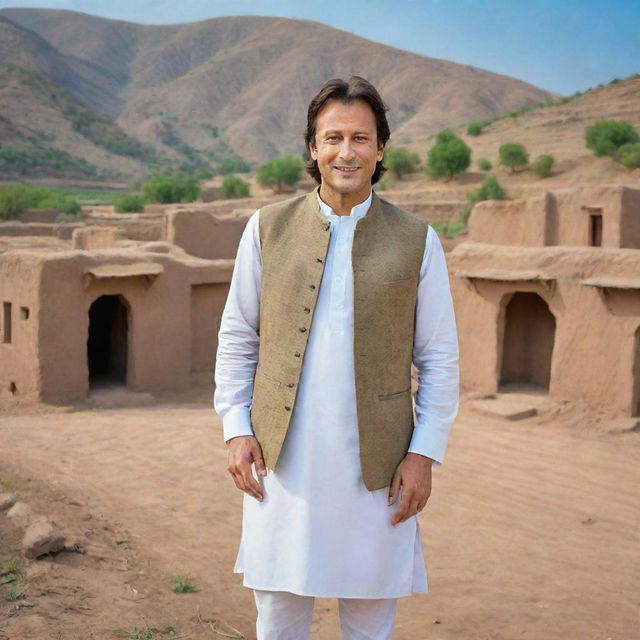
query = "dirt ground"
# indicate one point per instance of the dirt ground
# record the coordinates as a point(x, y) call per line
point(532, 531)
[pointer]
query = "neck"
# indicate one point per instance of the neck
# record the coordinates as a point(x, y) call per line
point(342, 203)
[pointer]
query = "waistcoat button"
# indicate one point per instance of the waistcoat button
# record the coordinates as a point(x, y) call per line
point(303, 329)
point(287, 408)
point(307, 310)
point(296, 354)
point(318, 259)
point(312, 286)
point(291, 385)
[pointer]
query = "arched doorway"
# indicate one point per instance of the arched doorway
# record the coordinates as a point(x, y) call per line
point(529, 333)
point(635, 409)
point(107, 344)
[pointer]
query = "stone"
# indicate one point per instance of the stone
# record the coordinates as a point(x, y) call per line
point(7, 500)
point(41, 537)
point(20, 514)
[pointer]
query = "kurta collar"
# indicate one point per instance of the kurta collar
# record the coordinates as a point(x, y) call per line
point(358, 211)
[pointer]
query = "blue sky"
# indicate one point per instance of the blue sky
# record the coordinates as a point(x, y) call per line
point(563, 46)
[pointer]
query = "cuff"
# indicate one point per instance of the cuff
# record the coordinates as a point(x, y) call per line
point(428, 442)
point(237, 422)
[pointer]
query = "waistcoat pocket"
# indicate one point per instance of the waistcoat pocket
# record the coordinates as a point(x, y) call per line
point(394, 394)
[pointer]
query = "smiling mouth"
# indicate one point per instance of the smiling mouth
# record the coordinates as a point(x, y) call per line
point(346, 170)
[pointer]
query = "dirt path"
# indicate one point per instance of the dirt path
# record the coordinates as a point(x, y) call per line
point(532, 531)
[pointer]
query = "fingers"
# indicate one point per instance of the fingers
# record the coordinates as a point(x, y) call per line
point(259, 461)
point(423, 503)
point(394, 489)
point(411, 503)
point(242, 454)
point(404, 510)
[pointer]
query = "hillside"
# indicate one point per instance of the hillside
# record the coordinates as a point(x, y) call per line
point(239, 85)
point(558, 130)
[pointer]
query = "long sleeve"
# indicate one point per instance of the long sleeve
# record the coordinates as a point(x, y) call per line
point(238, 338)
point(435, 355)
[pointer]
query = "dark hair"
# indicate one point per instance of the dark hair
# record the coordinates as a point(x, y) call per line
point(356, 89)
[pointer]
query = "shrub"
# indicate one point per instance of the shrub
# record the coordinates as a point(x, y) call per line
point(234, 187)
point(513, 155)
point(13, 201)
point(605, 137)
point(629, 155)
point(542, 165)
point(449, 156)
point(171, 187)
point(484, 164)
point(286, 170)
point(475, 128)
point(234, 164)
point(490, 189)
point(400, 160)
point(16, 198)
point(129, 202)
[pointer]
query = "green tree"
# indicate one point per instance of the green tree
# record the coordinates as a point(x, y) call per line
point(280, 172)
point(171, 187)
point(235, 164)
point(605, 137)
point(234, 187)
point(449, 156)
point(543, 164)
point(400, 160)
point(513, 155)
point(629, 155)
point(484, 164)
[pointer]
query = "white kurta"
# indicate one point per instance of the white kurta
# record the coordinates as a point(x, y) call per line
point(319, 531)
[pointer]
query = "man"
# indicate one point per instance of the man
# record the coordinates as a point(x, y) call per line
point(333, 295)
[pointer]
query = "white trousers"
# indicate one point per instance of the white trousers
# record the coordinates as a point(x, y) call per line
point(287, 616)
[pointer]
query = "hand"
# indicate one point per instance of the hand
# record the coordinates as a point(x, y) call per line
point(243, 451)
point(414, 476)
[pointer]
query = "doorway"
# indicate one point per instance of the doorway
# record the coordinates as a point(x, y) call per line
point(529, 334)
point(107, 344)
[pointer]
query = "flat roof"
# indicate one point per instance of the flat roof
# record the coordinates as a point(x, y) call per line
point(125, 270)
point(505, 276)
point(612, 282)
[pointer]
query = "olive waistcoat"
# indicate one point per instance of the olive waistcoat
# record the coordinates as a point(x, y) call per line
point(387, 251)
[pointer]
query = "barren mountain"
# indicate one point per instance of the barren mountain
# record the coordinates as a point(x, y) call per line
point(240, 85)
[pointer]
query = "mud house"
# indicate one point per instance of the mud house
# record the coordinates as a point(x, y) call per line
point(547, 293)
point(102, 310)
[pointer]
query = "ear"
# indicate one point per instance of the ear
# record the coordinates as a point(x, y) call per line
point(380, 153)
point(313, 150)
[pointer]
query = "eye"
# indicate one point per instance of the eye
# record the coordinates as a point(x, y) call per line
point(361, 138)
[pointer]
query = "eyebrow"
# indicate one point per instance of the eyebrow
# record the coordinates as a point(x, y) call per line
point(357, 133)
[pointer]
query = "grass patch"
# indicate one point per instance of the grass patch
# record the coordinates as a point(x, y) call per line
point(147, 633)
point(182, 585)
point(14, 594)
point(449, 228)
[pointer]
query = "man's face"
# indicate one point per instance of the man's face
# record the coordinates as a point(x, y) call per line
point(346, 149)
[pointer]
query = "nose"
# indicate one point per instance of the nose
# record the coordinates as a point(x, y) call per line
point(346, 150)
